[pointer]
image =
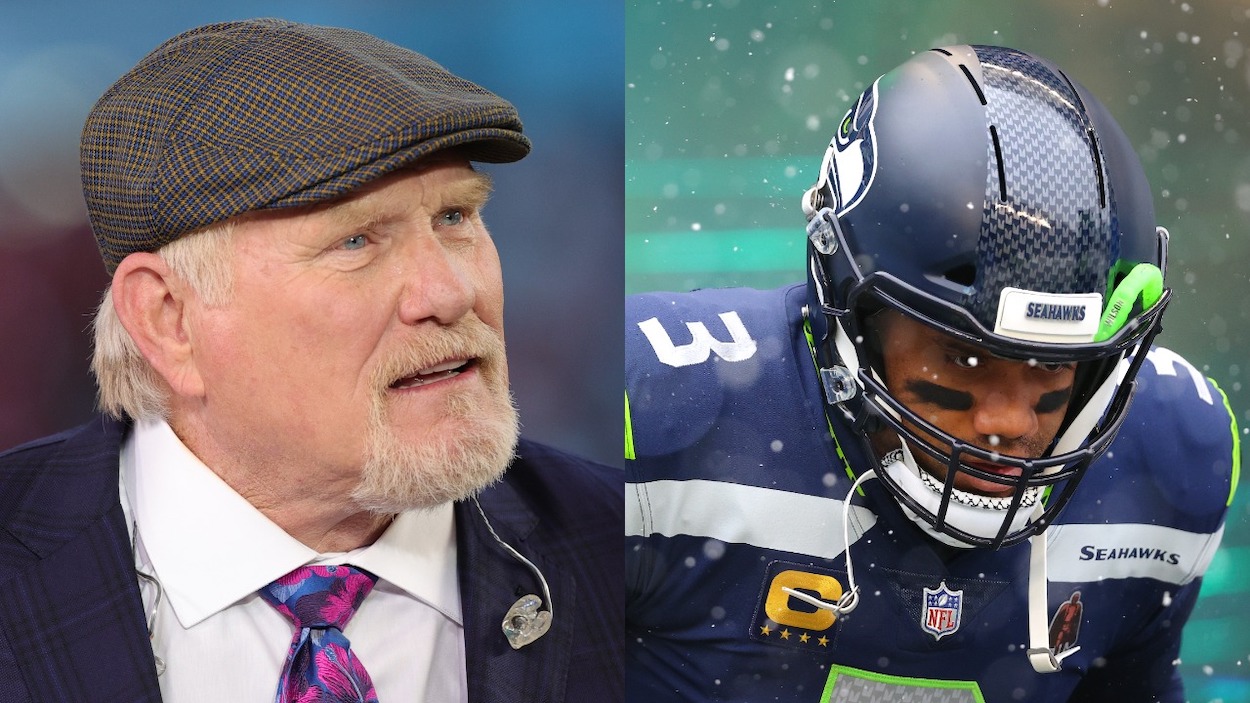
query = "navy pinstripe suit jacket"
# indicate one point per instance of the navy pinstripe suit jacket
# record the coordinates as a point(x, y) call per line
point(72, 627)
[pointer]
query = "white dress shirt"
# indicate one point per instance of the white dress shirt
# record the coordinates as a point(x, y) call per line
point(211, 550)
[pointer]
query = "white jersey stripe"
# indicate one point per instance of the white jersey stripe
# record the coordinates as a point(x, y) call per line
point(809, 525)
point(1083, 552)
point(730, 512)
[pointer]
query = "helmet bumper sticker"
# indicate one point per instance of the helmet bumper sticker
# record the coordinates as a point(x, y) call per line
point(1065, 318)
point(850, 162)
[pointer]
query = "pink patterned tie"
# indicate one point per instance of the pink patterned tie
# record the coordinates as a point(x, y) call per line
point(319, 600)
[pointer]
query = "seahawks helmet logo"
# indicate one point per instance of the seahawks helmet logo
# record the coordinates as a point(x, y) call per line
point(851, 160)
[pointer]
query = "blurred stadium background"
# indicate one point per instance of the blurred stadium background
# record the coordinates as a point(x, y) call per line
point(730, 103)
point(556, 216)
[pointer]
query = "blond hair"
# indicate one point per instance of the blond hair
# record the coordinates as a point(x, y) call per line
point(127, 383)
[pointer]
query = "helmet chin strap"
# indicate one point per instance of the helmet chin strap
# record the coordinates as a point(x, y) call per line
point(1089, 415)
point(850, 597)
point(1041, 656)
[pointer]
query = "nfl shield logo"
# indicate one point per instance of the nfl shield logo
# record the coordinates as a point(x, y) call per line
point(942, 608)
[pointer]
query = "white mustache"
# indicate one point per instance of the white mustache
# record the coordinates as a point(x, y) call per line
point(450, 347)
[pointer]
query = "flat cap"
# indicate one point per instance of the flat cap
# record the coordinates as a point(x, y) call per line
point(265, 113)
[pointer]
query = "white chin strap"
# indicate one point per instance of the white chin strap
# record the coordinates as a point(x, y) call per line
point(1092, 413)
point(968, 512)
point(1041, 656)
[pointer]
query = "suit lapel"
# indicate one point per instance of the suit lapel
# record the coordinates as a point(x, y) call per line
point(491, 580)
point(72, 616)
point(75, 621)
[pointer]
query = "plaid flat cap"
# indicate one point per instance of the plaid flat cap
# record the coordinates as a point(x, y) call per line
point(265, 113)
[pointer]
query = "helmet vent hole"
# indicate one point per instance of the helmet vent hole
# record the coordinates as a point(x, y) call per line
point(963, 274)
point(1080, 104)
point(1102, 186)
point(973, 82)
point(1002, 170)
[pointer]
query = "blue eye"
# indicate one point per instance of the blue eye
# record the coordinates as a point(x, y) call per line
point(453, 217)
point(354, 242)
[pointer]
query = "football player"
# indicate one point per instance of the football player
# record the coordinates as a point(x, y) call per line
point(894, 481)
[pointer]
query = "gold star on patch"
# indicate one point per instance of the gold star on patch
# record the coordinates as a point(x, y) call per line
point(824, 641)
point(785, 634)
point(764, 630)
point(804, 637)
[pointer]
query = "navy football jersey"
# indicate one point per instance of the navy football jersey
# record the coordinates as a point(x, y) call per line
point(737, 489)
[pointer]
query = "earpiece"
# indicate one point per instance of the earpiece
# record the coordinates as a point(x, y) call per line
point(524, 622)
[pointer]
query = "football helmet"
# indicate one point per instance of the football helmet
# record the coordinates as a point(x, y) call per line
point(980, 191)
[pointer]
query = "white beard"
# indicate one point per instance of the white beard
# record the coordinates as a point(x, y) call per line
point(469, 450)
point(399, 475)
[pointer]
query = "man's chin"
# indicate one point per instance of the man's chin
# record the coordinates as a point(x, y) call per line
point(452, 461)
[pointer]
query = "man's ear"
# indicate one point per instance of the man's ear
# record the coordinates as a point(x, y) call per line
point(152, 304)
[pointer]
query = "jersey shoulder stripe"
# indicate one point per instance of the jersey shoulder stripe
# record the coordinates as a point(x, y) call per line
point(740, 514)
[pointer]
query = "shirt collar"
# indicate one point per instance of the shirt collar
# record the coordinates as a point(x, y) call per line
point(211, 548)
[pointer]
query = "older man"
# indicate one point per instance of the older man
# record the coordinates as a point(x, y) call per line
point(307, 478)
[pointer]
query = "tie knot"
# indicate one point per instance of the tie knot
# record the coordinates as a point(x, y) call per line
point(319, 596)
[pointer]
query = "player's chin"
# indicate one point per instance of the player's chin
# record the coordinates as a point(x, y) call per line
point(970, 483)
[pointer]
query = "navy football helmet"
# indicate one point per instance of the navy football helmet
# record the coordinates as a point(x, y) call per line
point(980, 191)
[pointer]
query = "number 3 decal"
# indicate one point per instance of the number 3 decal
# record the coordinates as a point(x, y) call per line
point(739, 348)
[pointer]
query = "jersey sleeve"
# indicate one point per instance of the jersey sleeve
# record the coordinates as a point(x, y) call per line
point(713, 371)
point(1182, 428)
point(674, 346)
point(673, 342)
point(718, 383)
point(1145, 669)
point(1180, 446)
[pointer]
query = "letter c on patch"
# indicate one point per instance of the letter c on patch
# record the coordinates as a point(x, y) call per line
point(777, 605)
